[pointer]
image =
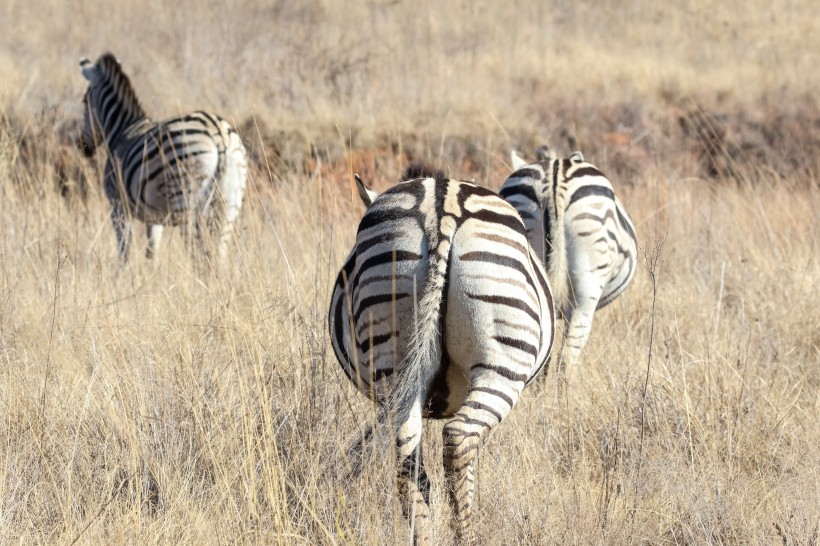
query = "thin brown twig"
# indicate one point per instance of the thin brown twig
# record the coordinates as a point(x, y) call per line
point(653, 265)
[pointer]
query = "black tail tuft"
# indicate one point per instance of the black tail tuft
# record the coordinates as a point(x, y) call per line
point(419, 169)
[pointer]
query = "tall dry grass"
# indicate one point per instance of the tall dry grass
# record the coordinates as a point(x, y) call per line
point(161, 403)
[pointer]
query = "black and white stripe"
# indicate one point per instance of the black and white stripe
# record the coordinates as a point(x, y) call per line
point(581, 231)
point(441, 310)
point(189, 171)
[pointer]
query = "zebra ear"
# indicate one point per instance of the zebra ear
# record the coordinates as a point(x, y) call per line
point(367, 195)
point(576, 157)
point(89, 70)
point(517, 161)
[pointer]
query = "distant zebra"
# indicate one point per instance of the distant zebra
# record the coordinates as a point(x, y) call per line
point(441, 310)
point(579, 228)
point(189, 170)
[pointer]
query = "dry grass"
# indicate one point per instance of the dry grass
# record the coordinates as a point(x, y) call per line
point(160, 404)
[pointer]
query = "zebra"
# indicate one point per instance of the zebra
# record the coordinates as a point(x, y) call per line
point(189, 170)
point(441, 310)
point(582, 233)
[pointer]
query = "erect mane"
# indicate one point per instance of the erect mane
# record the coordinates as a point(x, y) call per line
point(112, 73)
point(419, 169)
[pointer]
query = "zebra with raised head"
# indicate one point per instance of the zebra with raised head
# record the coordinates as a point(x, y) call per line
point(441, 310)
point(580, 230)
point(189, 171)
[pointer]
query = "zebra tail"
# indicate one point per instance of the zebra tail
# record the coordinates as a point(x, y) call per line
point(553, 211)
point(558, 267)
point(423, 357)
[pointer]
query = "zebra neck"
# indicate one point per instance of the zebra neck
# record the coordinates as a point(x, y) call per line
point(116, 109)
point(127, 130)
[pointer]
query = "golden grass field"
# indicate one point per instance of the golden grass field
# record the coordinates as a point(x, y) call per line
point(160, 403)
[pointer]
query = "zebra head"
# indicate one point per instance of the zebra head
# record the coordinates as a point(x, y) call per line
point(91, 134)
point(367, 195)
point(109, 104)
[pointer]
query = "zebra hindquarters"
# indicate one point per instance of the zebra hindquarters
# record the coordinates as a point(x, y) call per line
point(498, 332)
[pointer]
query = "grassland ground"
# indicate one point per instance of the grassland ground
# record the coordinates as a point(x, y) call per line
point(161, 402)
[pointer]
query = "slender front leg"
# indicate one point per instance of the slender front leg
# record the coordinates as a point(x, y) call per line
point(122, 228)
point(154, 232)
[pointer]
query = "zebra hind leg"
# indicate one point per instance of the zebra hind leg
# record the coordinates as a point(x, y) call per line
point(577, 327)
point(462, 435)
point(359, 451)
point(192, 236)
point(219, 231)
point(220, 223)
point(414, 485)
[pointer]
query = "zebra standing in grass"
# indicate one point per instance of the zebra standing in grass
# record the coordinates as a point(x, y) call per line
point(441, 310)
point(579, 228)
point(189, 170)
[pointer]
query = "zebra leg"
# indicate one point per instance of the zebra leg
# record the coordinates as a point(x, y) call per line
point(414, 485)
point(154, 232)
point(192, 236)
point(577, 327)
point(219, 228)
point(360, 450)
point(122, 228)
point(222, 233)
point(202, 235)
point(462, 437)
point(225, 211)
